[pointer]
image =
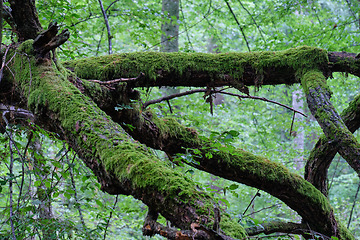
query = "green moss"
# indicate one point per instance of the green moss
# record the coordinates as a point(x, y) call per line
point(96, 136)
point(132, 64)
point(344, 232)
point(232, 228)
point(313, 79)
point(27, 47)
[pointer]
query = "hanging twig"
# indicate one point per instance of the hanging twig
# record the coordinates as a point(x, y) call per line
point(110, 216)
point(78, 206)
point(241, 28)
point(107, 25)
point(252, 200)
point(23, 168)
point(353, 206)
point(253, 19)
point(146, 104)
point(11, 181)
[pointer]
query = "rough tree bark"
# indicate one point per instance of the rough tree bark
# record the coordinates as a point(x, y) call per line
point(83, 114)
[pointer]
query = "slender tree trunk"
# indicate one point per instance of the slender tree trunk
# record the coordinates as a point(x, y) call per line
point(299, 136)
point(170, 26)
point(42, 192)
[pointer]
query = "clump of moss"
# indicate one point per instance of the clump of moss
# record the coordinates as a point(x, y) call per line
point(232, 228)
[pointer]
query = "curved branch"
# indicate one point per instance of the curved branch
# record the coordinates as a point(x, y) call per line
point(166, 98)
point(121, 164)
point(323, 153)
point(107, 25)
point(234, 164)
point(337, 134)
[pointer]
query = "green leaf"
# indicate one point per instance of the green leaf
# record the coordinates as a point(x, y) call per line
point(67, 195)
point(37, 183)
point(225, 201)
point(233, 186)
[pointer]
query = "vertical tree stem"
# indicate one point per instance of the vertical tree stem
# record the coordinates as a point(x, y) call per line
point(11, 187)
point(237, 22)
point(107, 25)
point(353, 206)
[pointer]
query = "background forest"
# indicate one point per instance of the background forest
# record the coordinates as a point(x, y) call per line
point(80, 210)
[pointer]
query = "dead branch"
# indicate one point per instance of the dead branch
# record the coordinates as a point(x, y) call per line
point(166, 98)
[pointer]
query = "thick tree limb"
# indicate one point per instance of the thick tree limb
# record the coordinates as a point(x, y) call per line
point(236, 165)
point(213, 70)
point(323, 153)
point(122, 165)
point(25, 17)
point(335, 130)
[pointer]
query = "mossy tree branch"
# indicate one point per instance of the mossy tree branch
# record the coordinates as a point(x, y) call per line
point(213, 70)
point(335, 130)
point(236, 165)
point(323, 153)
point(122, 165)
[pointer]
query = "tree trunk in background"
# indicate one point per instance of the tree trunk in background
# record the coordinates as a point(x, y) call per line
point(299, 136)
point(170, 27)
point(42, 192)
point(212, 47)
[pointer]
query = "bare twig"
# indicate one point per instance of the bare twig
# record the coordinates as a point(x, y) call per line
point(275, 205)
point(241, 28)
point(116, 80)
point(11, 174)
point(23, 169)
point(252, 200)
point(107, 9)
point(78, 206)
point(166, 98)
point(107, 25)
point(3, 60)
point(185, 25)
point(253, 19)
point(204, 17)
point(292, 124)
point(110, 216)
point(353, 206)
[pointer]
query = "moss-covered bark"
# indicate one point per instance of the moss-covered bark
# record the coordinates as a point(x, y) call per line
point(324, 151)
point(234, 164)
point(335, 130)
point(126, 167)
point(122, 165)
point(201, 69)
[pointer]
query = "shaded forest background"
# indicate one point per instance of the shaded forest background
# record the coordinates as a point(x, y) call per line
point(81, 210)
